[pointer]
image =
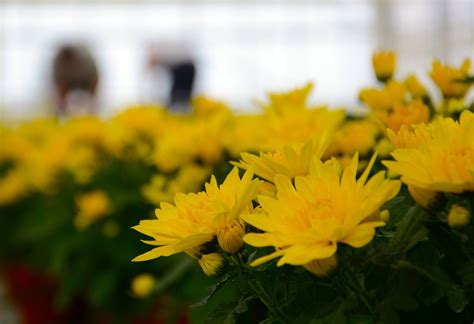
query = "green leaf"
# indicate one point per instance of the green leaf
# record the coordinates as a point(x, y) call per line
point(457, 300)
point(102, 287)
point(333, 313)
point(387, 313)
point(409, 231)
point(226, 313)
point(212, 291)
point(466, 272)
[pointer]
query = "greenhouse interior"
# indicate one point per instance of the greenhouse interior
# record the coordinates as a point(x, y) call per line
point(236, 161)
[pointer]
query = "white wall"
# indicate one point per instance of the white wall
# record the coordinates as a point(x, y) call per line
point(243, 48)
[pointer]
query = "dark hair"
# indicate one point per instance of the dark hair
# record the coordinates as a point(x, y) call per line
point(74, 68)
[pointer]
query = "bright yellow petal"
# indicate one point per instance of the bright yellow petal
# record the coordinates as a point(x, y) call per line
point(300, 255)
point(362, 234)
point(267, 258)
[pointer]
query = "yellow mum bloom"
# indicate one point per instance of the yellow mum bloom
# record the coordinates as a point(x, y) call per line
point(415, 87)
point(446, 78)
point(384, 63)
point(92, 206)
point(196, 219)
point(204, 106)
point(307, 220)
point(435, 158)
point(189, 178)
point(393, 93)
point(413, 113)
point(289, 119)
point(289, 102)
point(354, 136)
point(291, 161)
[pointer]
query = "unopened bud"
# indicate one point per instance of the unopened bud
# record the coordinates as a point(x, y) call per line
point(385, 215)
point(211, 264)
point(230, 236)
point(458, 216)
point(384, 65)
point(323, 267)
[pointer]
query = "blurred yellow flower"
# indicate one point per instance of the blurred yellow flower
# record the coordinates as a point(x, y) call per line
point(352, 137)
point(454, 106)
point(447, 78)
point(384, 64)
point(91, 206)
point(393, 93)
point(435, 158)
point(290, 119)
point(196, 219)
point(142, 285)
point(307, 219)
point(82, 162)
point(189, 178)
point(282, 103)
point(292, 160)
point(413, 113)
point(13, 186)
point(415, 87)
point(205, 106)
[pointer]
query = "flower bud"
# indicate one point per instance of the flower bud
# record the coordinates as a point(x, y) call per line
point(385, 215)
point(458, 216)
point(211, 264)
point(415, 87)
point(323, 267)
point(384, 65)
point(143, 285)
point(230, 236)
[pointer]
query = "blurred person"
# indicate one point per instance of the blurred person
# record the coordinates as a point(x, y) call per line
point(75, 80)
point(177, 60)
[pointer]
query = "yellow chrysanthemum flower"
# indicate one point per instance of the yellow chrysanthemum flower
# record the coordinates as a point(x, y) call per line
point(415, 87)
point(393, 93)
point(205, 106)
point(447, 78)
point(354, 136)
point(289, 118)
point(413, 113)
point(291, 161)
point(384, 63)
point(435, 158)
point(92, 206)
point(307, 220)
point(289, 102)
point(189, 178)
point(196, 219)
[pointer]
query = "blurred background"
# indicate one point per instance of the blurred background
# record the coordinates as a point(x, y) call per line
point(137, 51)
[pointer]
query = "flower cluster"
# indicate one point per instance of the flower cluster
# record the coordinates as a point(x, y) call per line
point(354, 217)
